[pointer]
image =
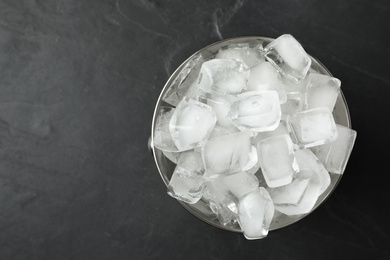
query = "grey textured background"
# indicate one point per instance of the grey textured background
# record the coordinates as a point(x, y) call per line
point(78, 85)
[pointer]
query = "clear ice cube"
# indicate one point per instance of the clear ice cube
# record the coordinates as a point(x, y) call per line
point(191, 124)
point(239, 184)
point(187, 183)
point(223, 76)
point(312, 127)
point(184, 85)
point(221, 202)
point(229, 154)
point(280, 130)
point(309, 197)
point(221, 106)
point(265, 77)
point(322, 91)
point(250, 55)
point(256, 111)
point(335, 155)
point(288, 57)
point(293, 104)
point(290, 193)
point(162, 138)
point(307, 161)
point(219, 131)
point(277, 160)
point(255, 211)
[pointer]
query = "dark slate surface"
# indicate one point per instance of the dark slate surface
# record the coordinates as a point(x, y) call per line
point(78, 83)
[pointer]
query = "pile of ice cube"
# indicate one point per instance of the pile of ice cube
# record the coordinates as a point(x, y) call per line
point(251, 132)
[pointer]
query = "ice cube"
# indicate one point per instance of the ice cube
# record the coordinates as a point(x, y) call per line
point(293, 104)
point(322, 91)
point(265, 77)
point(221, 105)
point(221, 202)
point(219, 131)
point(162, 138)
point(309, 162)
point(255, 211)
point(289, 57)
point(312, 127)
point(248, 54)
point(240, 183)
point(307, 200)
point(172, 156)
point(229, 154)
point(191, 124)
point(277, 160)
point(187, 181)
point(280, 130)
point(223, 76)
point(290, 193)
point(184, 84)
point(335, 155)
point(256, 111)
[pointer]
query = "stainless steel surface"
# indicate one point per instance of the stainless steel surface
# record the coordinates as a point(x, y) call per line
point(200, 209)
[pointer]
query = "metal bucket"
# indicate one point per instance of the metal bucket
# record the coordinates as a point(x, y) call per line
point(166, 167)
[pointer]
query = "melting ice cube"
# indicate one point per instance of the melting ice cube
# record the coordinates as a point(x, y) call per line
point(191, 124)
point(223, 76)
point(289, 57)
point(255, 211)
point(187, 182)
point(256, 111)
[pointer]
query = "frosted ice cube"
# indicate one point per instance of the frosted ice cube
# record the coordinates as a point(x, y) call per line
point(277, 160)
point(221, 106)
point(223, 76)
point(221, 202)
point(265, 77)
point(184, 85)
point(162, 138)
point(191, 124)
point(229, 154)
point(240, 183)
point(289, 57)
point(255, 211)
point(312, 127)
point(322, 91)
point(335, 155)
point(256, 111)
point(187, 181)
point(243, 51)
point(307, 161)
point(307, 201)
